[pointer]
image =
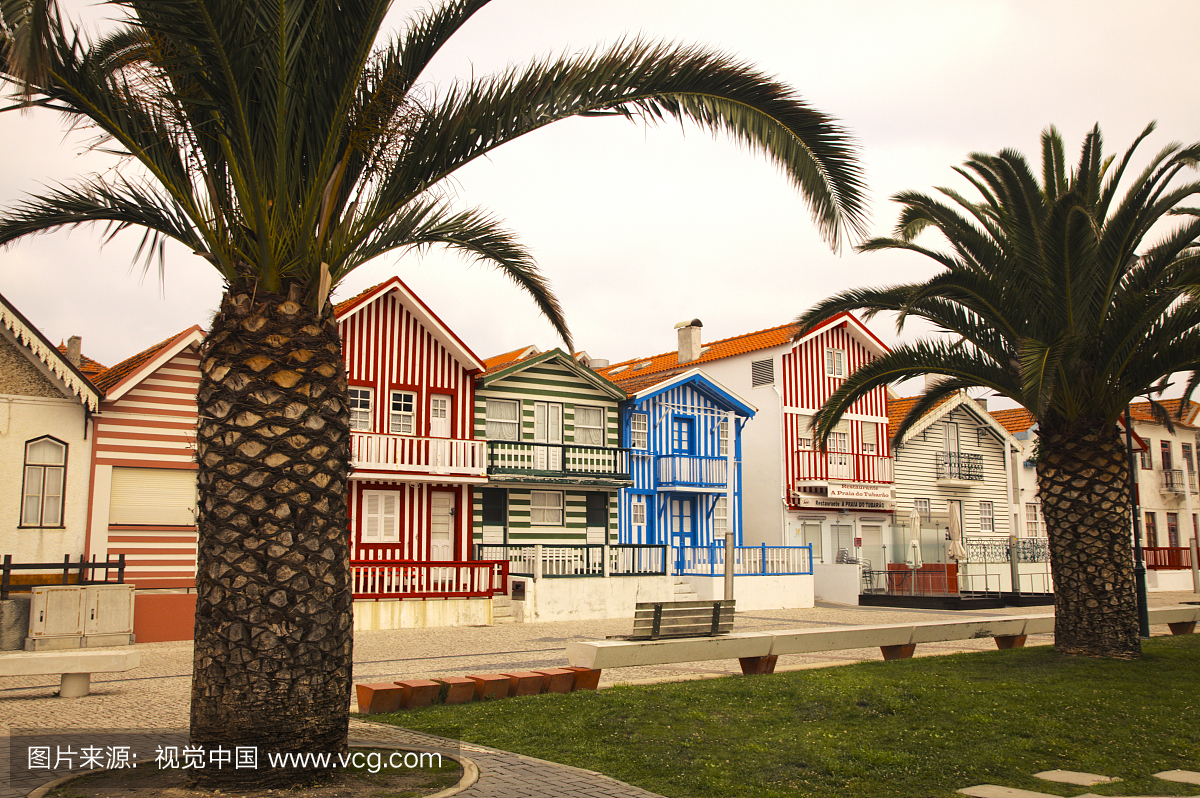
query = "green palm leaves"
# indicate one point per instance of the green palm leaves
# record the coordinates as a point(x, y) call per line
point(1046, 289)
point(288, 143)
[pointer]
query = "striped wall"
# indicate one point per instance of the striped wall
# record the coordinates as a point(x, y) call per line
point(522, 531)
point(414, 543)
point(387, 348)
point(151, 426)
point(549, 382)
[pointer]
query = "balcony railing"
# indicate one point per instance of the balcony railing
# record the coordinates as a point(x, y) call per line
point(956, 465)
point(582, 560)
point(681, 470)
point(747, 560)
point(1167, 558)
point(391, 579)
point(556, 459)
point(1170, 480)
point(815, 465)
point(407, 453)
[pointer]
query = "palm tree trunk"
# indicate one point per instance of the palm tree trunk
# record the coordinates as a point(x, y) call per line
point(1083, 483)
point(273, 623)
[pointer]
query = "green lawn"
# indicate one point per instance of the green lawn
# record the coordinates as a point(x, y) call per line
point(920, 727)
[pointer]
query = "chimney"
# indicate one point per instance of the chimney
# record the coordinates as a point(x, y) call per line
point(73, 350)
point(689, 340)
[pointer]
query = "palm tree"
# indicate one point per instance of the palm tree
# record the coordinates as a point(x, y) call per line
point(285, 148)
point(1049, 302)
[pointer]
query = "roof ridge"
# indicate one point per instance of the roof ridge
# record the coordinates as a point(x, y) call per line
point(114, 374)
point(703, 344)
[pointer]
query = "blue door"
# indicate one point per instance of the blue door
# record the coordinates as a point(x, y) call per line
point(683, 528)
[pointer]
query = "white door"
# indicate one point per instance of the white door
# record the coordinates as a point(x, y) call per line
point(547, 428)
point(872, 545)
point(441, 525)
point(439, 427)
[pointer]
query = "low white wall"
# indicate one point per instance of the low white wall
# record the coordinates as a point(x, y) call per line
point(997, 576)
point(759, 592)
point(837, 584)
point(588, 598)
point(371, 616)
point(1161, 581)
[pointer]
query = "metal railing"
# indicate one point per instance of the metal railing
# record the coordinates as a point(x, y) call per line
point(585, 560)
point(997, 550)
point(559, 459)
point(956, 465)
point(759, 560)
point(692, 471)
point(405, 452)
point(385, 579)
point(1170, 480)
point(1167, 558)
point(815, 465)
point(60, 573)
point(901, 582)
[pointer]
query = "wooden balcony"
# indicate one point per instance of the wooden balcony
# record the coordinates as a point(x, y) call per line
point(817, 466)
point(558, 462)
point(690, 471)
point(1167, 558)
point(410, 454)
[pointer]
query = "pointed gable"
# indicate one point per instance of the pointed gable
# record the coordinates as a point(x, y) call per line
point(51, 364)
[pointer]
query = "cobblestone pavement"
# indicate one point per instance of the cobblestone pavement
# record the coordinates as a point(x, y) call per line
point(153, 699)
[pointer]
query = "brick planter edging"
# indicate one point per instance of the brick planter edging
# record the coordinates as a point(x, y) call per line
point(381, 697)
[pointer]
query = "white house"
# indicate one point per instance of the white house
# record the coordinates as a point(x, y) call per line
point(46, 403)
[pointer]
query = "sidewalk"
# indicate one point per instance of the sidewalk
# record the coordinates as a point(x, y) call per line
point(155, 697)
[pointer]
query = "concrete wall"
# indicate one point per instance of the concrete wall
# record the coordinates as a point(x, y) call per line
point(1160, 581)
point(588, 598)
point(370, 616)
point(837, 584)
point(758, 592)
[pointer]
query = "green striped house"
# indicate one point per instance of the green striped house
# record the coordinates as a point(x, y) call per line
point(554, 460)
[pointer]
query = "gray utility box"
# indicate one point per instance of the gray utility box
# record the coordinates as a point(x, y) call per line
point(63, 617)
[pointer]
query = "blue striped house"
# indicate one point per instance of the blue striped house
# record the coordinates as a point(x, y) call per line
point(684, 436)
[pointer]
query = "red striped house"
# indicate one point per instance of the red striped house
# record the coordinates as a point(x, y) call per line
point(411, 384)
point(143, 497)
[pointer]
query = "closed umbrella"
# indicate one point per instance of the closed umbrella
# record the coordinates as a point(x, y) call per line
point(957, 552)
point(914, 523)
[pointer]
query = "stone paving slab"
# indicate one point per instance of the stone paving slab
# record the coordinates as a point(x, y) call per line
point(1181, 776)
point(993, 791)
point(1073, 777)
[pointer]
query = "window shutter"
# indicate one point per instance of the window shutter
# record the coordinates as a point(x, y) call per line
point(162, 496)
point(762, 372)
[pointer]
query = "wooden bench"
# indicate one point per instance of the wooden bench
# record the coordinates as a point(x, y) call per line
point(758, 651)
point(76, 667)
point(657, 620)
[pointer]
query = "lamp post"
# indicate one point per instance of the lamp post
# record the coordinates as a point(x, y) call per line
point(1139, 565)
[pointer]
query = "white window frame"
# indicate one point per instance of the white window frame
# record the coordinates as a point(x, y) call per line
point(720, 517)
point(835, 362)
point(637, 511)
point(551, 510)
point(723, 437)
point(1035, 523)
point(362, 403)
point(1146, 457)
point(493, 424)
point(987, 517)
point(593, 431)
point(398, 419)
point(870, 446)
point(41, 504)
point(804, 433)
point(639, 431)
point(923, 508)
point(386, 530)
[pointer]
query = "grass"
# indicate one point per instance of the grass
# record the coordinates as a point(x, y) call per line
point(920, 727)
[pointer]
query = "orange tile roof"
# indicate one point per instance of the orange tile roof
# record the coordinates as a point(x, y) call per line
point(90, 368)
point(110, 377)
point(1014, 419)
point(640, 382)
point(1141, 412)
point(899, 408)
point(509, 357)
point(714, 350)
point(346, 303)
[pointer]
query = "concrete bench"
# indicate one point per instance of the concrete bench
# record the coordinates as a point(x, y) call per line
point(76, 667)
point(758, 651)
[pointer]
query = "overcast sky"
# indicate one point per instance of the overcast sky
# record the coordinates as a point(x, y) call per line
point(641, 228)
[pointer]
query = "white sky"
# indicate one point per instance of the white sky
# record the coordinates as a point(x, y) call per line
point(641, 228)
